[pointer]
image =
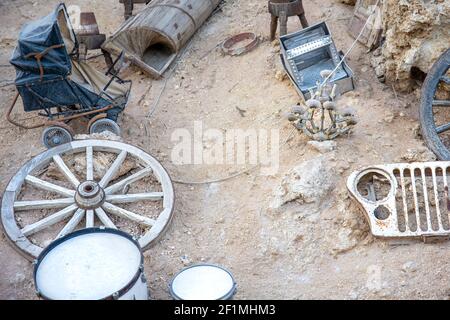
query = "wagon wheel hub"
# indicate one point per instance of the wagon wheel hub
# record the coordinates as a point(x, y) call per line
point(89, 195)
point(140, 199)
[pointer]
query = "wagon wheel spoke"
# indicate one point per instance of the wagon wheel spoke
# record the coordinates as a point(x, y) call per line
point(86, 201)
point(42, 204)
point(48, 221)
point(123, 213)
point(119, 186)
point(89, 218)
point(44, 185)
point(103, 217)
point(71, 225)
point(435, 95)
point(65, 170)
point(443, 128)
point(135, 197)
point(441, 103)
point(112, 171)
point(445, 79)
point(89, 163)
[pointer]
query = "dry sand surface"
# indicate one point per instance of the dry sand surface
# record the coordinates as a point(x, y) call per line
point(306, 249)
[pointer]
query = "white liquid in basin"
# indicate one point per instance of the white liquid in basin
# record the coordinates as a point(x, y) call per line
point(202, 283)
point(90, 266)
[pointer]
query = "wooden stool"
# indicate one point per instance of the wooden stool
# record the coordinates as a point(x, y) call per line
point(283, 9)
point(90, 38)
point(129, 6)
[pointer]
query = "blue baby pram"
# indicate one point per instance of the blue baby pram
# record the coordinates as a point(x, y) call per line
point(52, 80)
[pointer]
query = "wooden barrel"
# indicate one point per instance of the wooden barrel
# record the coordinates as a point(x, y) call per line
point(153, 38)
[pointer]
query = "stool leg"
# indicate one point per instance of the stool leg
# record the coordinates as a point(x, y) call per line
point(128, 4)
point(83, 51)
point(303, 20)
point(108, 58)
point(273, 27)
point(283, 23)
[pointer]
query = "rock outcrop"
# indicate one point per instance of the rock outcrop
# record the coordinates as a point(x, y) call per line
point(309, 182)
point(416, 33)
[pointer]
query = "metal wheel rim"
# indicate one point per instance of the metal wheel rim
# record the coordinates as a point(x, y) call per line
point(19, 237)
point(106, 124)
point(66, 136)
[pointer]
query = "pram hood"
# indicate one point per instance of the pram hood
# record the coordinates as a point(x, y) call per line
point(57, 77)
point(37, 36)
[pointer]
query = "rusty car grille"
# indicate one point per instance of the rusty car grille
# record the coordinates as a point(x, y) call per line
point(404, 199)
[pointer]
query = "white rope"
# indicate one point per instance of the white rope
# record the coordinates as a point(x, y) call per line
point(353, 44)
point(289, 135)
point(293, 130)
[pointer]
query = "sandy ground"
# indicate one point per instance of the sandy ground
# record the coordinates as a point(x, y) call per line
point(297, 253)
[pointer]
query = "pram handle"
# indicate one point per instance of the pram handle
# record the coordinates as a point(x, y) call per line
point(11, 120)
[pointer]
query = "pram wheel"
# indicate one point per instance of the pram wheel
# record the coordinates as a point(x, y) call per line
point(56, 135)
point(104, 124)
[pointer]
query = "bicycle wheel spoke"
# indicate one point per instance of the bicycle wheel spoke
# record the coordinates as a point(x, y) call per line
point(42, 204)
point(73, 222)
point(103, 217)
point(127, 214)
point(48, 221)
point(133, 178)
point(89, 163)
point(112, 171)
point(130, 198)
point(48, 186)
point(65, 170)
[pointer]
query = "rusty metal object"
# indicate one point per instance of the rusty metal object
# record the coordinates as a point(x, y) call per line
point(14, 122)
point(404, 199)
point(95, 118)
point(49, 122)
point(282, 10)
point(320, 118)
point(68, 87)
point(249, 41)
point(129, 6)
point(370, 11)
point(62, 125)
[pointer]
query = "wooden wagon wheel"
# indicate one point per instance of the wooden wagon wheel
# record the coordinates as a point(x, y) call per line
point(434, 106)
point(98, 199)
